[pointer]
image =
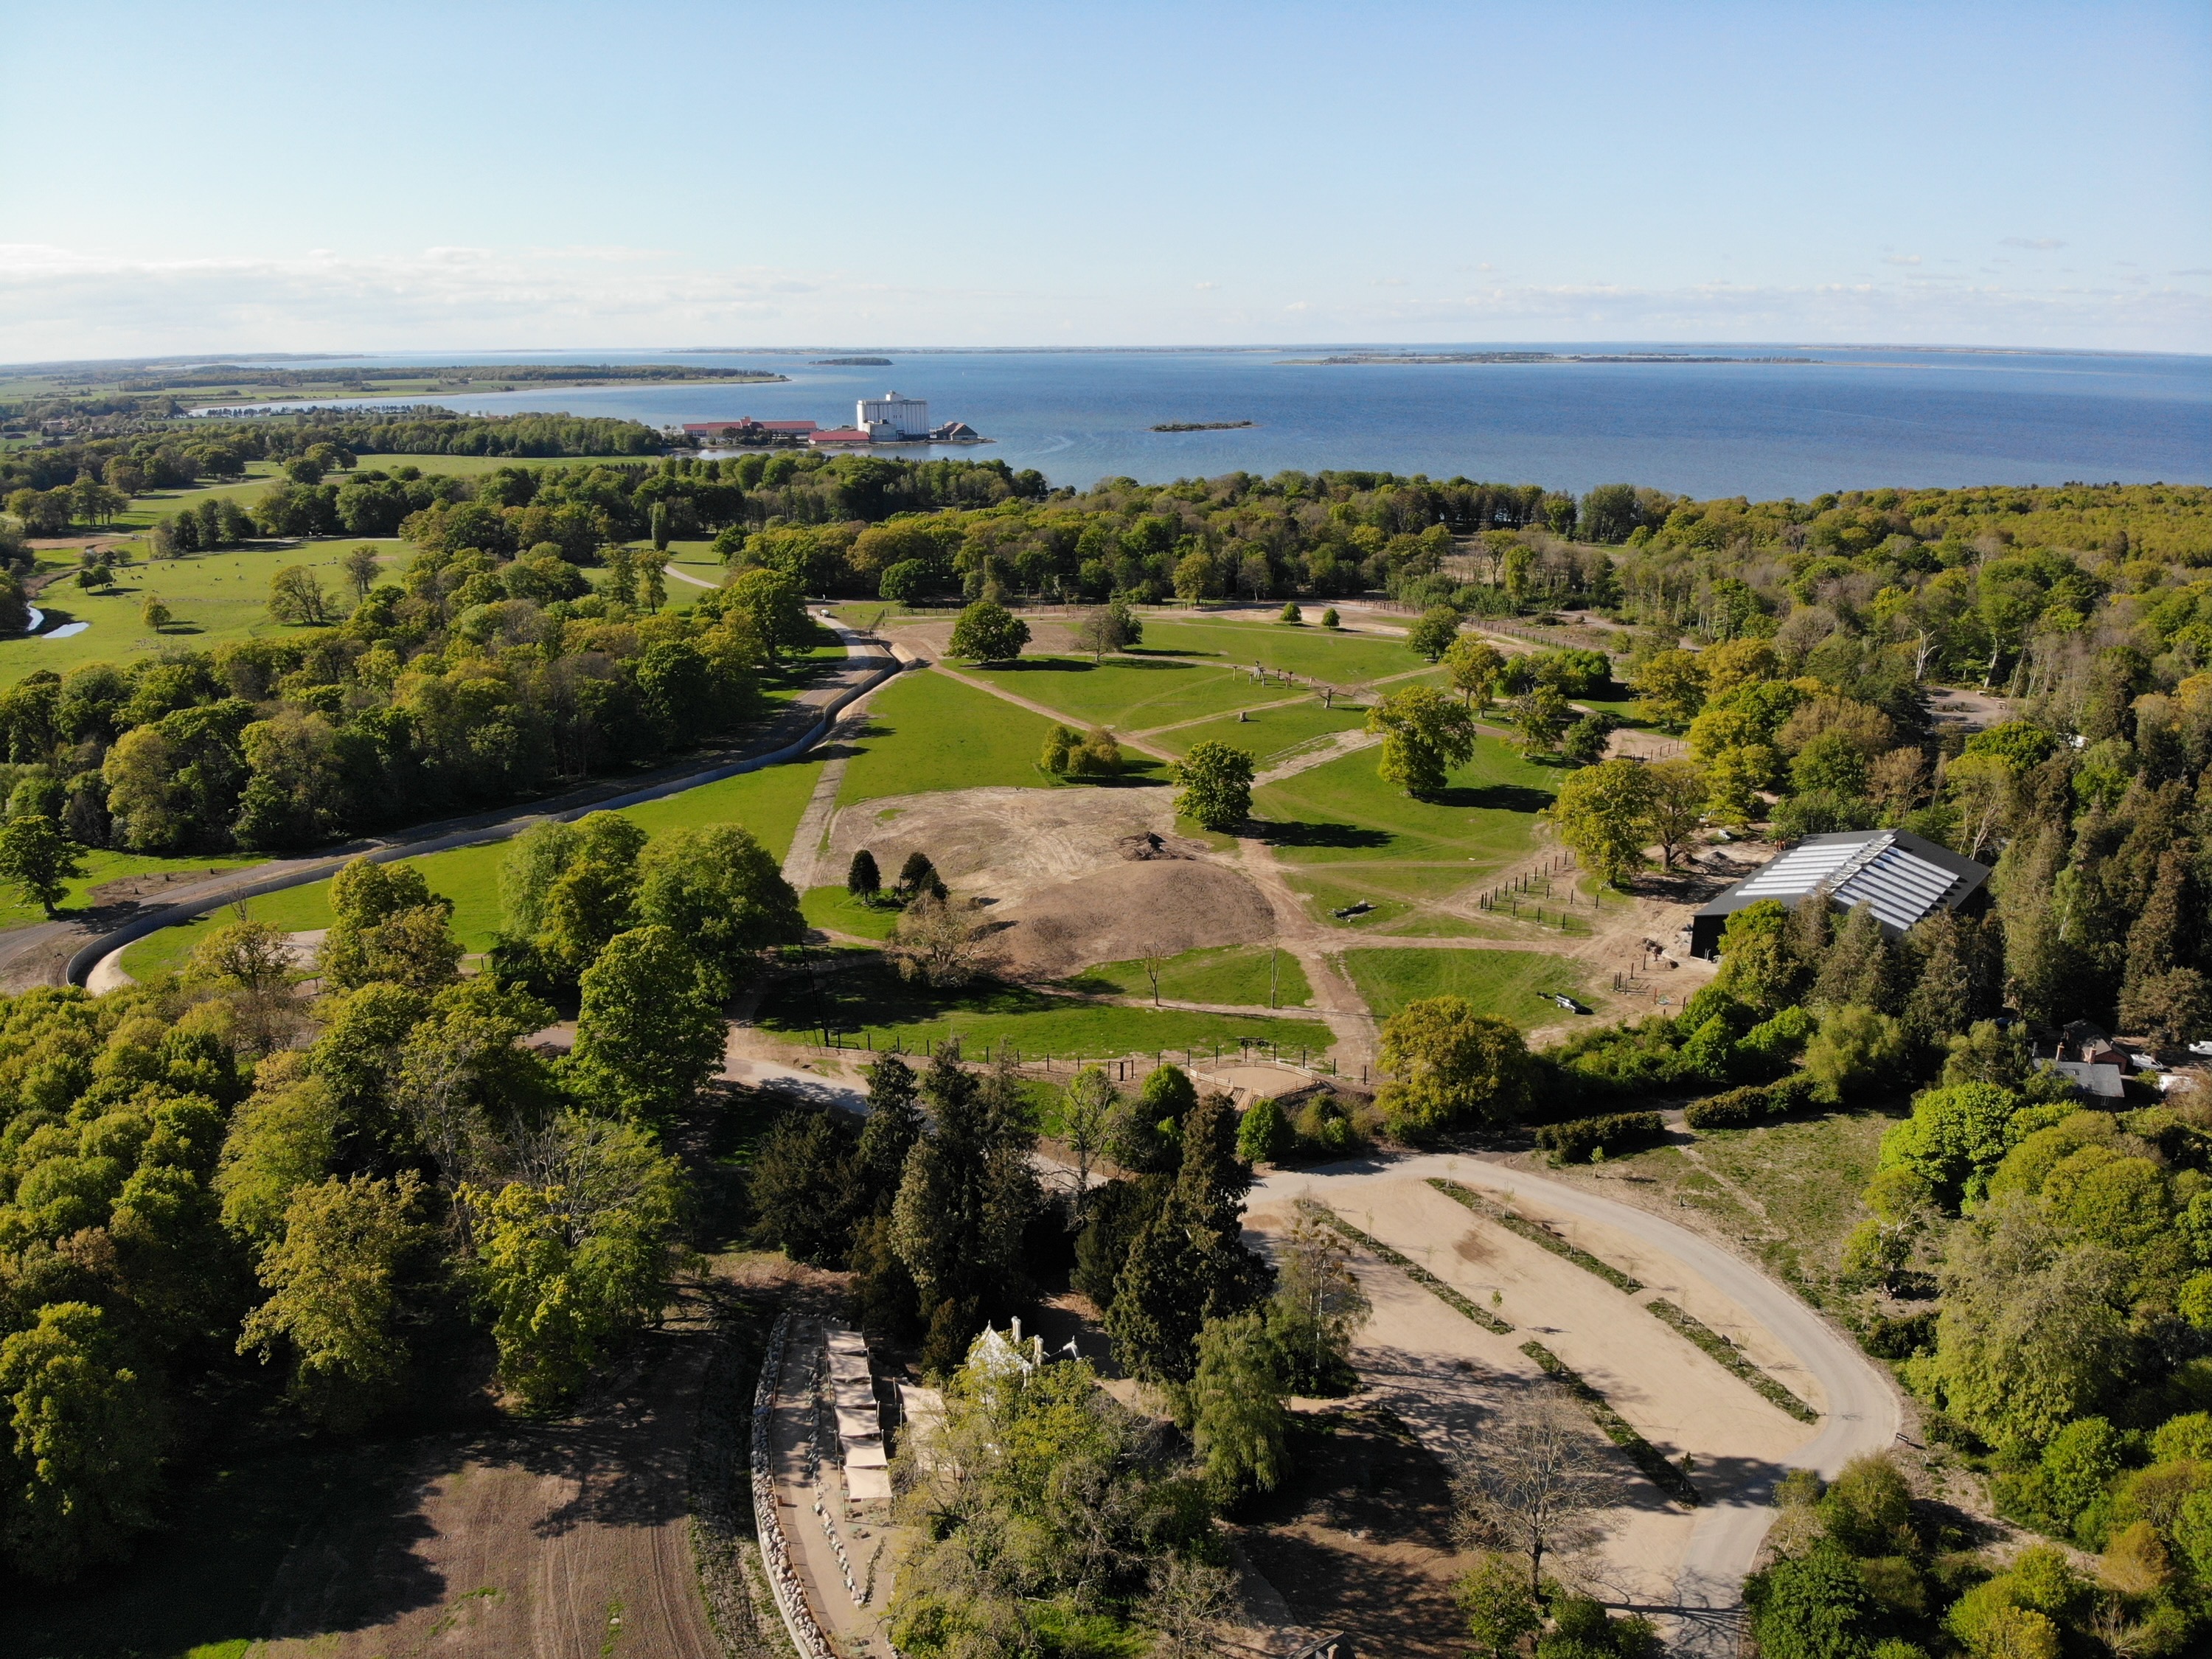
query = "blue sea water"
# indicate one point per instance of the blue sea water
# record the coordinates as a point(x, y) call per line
point(1855, 417)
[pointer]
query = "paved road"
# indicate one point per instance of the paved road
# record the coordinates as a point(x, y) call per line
point(42, 954)
point(1862, 1414)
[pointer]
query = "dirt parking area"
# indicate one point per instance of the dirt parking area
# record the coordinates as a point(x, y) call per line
point(1443, 1375)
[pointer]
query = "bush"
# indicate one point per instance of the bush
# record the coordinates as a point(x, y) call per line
point(1582, 1139)
point(1264, 1135)
point(1739, 1109)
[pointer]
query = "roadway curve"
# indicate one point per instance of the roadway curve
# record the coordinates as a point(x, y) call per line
point(67, 951)
point(1862, 1414)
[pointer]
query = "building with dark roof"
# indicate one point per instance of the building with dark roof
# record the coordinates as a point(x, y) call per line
point(1901, 876)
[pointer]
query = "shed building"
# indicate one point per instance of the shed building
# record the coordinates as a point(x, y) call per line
point(1902, 878)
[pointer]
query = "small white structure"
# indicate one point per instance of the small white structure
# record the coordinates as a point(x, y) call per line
point(891, 417)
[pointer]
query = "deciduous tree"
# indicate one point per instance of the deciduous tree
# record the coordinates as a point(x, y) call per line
point(1214, 783)
point(648, 1033)
point(1425, 735)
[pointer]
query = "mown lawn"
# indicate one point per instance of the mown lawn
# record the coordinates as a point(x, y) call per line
point(1269, 735)
point(101, 866)
point(1339, 828)
point(870, 1002)
point(1230, 973)
point(928, 731)
point(1343, 657)
point(1130, 694)
point(837, 910)
point(1513, 985)
point(768, 803)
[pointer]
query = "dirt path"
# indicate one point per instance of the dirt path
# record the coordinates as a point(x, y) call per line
point(1343, 743)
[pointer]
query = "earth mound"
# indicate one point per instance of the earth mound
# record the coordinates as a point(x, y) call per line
point(1151, 906)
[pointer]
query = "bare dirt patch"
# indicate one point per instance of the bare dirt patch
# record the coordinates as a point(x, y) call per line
point(1073, 876)
point(1359, 1538)
point(1156, 908)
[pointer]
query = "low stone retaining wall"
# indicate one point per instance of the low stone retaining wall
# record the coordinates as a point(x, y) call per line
point(798, 1619)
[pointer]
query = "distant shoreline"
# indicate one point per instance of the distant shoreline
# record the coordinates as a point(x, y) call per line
point(1202, 426)
point(1362, 357)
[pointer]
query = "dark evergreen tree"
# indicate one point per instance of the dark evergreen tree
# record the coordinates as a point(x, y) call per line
point(2039, 965)
point(917, 875)
point(863, 879)
point(894, 1123)
point(968, 1191)
point(801, 1188)
point(1806, 941)
point(1942, 996)
point(1860, 968)
point(1189, 1263)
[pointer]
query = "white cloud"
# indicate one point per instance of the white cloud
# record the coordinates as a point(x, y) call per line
point(2042, 244)
point(1900, 258)
point(58, 303)
point(1388, 281)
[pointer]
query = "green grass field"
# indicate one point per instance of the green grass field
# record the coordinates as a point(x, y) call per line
point(1513, 985)
point(870, 1001)
point(838, 911)
point(768, 803)
point(1788, 1192)
point(215, 598)
point(1237, 974)
point(1270, 734)
point(101, 866)
point(928, 731)
point(1343, 657)
point(1343, 834)
point(1129, 694)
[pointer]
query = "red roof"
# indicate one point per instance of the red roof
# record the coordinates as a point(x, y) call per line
point(843, 435)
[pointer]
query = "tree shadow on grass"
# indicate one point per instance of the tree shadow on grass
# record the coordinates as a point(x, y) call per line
point(1494, 797)
point(1276, 833)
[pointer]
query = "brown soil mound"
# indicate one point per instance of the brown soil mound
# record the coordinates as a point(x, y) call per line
point(1138, 907)
point(1005, 843)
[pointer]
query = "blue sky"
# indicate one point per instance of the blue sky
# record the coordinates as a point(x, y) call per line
point(487, 176)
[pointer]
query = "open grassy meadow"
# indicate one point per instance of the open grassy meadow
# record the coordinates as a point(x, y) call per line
point(1341, 656)
point(215, 598)
point(1270, 734)
point(1235, 974)
point(927, 731)
point(102, 866)
point(768, 802)
point(869, 1002)
point(839, 911)
point(1339, 829)
point(1513, 985)
point(1129, 694)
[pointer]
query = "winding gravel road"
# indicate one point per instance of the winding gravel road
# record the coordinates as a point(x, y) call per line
point(1863, 1415)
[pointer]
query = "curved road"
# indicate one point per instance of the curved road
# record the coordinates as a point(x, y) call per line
point(54, 952)
point(1863, 1415)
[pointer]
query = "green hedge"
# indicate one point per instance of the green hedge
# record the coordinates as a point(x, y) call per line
point(1578, 1141)
point(1414, 1271)
point(1733, 1357)
point(1655, 1463)
point(1741, 1108)
point(1536, 1233)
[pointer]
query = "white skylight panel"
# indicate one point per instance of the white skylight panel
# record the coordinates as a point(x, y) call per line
point(1800, 870)
point(1900, 888)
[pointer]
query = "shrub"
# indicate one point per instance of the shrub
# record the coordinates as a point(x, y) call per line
point(1739, 1109)
point(1264, 1135)
point(1580, 1141)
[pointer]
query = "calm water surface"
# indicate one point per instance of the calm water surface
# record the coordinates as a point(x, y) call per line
point(1857, 417)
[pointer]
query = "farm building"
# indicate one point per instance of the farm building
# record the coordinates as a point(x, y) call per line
point(1902, 878)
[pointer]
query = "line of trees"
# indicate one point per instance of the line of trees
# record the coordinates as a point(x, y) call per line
point(211, 1175)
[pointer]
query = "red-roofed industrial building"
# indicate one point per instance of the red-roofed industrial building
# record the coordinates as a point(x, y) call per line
point(843, 435)
point(746, 423)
